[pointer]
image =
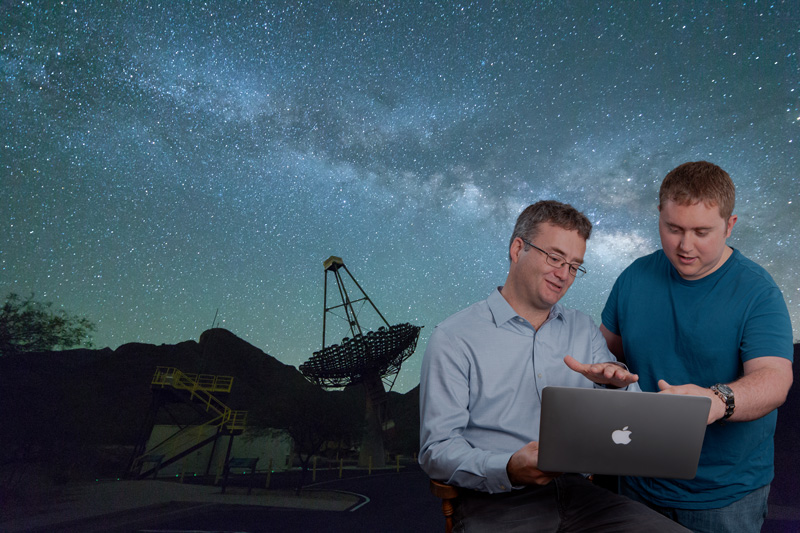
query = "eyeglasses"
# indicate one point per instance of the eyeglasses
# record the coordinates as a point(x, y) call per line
point(555, 260)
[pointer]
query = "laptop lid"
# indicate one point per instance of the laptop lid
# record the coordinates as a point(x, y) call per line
point(601, 431)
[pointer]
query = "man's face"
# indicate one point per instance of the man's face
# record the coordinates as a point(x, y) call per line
point(543, 284)
point(693, 237)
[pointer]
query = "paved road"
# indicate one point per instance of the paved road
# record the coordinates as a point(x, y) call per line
point(392, 502)
point(389, 503)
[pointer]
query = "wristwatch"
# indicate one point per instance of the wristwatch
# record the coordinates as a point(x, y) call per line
point(726, 395)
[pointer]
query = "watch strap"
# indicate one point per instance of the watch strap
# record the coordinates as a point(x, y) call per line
point(725, 394)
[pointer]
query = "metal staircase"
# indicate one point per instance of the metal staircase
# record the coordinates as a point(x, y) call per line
point(196, 389)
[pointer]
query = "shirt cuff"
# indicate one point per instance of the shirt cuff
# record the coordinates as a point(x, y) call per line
point(497, 479)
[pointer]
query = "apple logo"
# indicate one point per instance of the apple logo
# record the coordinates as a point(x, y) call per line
point(621, 436)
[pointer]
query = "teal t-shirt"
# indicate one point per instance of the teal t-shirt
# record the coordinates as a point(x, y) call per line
point(701, 332)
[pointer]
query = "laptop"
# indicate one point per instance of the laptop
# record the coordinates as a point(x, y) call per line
point(601, 431)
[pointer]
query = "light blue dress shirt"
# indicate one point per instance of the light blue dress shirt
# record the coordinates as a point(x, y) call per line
point(481, 386)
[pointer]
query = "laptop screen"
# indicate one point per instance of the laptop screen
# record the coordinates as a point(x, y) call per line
point(601, 431)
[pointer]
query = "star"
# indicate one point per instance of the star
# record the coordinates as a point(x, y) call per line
point(168, 164)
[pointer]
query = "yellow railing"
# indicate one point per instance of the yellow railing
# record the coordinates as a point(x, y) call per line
point(237, 420)
point(165, 375)
point(198, 386)
point(212, 383)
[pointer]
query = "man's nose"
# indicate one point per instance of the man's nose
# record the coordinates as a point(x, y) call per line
point(562, 272)
point(686, 243)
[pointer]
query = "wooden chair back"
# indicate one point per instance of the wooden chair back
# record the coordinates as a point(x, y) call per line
point(447, 493)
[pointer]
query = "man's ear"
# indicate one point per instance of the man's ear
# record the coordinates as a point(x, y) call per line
point(729, 225)
point(516, 247)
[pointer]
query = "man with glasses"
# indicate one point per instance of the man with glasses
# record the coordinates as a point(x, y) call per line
point(699, 318)
point(481, 383)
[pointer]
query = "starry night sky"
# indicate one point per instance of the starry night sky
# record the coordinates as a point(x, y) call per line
point(165, 161)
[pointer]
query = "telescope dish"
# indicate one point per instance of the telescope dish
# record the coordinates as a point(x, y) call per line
point(371, 358)
point(378, 352)
point(364, 354)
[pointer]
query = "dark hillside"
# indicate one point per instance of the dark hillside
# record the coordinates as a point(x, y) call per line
point(66, 404)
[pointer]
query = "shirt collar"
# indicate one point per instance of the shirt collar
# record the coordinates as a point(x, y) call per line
point(503, 312)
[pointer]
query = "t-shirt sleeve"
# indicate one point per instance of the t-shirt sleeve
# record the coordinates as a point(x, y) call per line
point(610, 315)
point(768, 328)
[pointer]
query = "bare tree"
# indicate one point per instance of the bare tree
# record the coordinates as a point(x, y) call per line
point(30, 326)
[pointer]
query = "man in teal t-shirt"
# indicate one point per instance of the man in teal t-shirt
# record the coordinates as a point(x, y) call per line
point(699, 318)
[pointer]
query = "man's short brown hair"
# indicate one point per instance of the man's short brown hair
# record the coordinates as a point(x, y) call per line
point(699, 181)
point(550, 212)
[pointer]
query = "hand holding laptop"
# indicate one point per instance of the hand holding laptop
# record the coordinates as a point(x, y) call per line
point(717, 408)
point(613, 374)
point(523, 467)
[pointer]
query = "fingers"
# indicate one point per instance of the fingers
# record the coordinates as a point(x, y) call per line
point(595, 369)
point(624, 377)
point(689, 390)
point(574, 364)
point(546, 477)
point(523, 467)
point(602, 373)
point(666, 388)
point(615, 374)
